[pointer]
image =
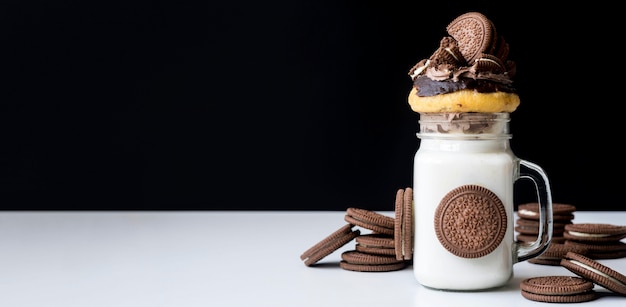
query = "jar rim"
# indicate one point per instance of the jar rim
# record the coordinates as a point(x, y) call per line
point(485, 125)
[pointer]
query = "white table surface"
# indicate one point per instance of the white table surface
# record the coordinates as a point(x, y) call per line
point(223, 258)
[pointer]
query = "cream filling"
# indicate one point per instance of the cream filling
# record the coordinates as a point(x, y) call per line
point(489, 60)
point(613, 279)
point(454, 55)
point(402, 239)
point(592, 235)
point(419, 70)
point(527, 212)
point(402, 232)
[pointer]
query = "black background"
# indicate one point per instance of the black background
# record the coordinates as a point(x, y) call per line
point(290, 105)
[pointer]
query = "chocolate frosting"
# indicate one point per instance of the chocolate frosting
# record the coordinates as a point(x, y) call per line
point(429, 87)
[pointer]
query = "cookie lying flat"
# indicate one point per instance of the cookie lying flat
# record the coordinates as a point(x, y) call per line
point(556, 252)
point(363, 262)
point(403, 228)
point(558, 289)
point(594, 232)
point(609, 250)
point(596, 272)
point(371, 220)
point(329, 244)
point(532, 238)
point(527, 224)
point(531, 227)
point(375, 243)
point(560, 211)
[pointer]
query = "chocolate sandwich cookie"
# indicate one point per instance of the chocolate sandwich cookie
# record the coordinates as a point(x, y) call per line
point(371, 220)
point(527, 227)
point(376, 243)
point(532, 238)
point(470, 221)
point(363, 262)
point(558, 289)
point(594, 232)
point(596, 272)
point(329, 244)
point(475, 33)
point(555, 252)
point(531, 227)
point(403, 228)
point(560, 211)
point(604, 250)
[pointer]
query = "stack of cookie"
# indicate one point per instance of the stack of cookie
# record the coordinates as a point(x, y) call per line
point(386, 246)
point(558, 289)
point(375, 250)
point(527, 227)
point(527, 224)
point(602, 241)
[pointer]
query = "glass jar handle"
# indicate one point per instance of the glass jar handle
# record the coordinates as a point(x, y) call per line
point(535, 173)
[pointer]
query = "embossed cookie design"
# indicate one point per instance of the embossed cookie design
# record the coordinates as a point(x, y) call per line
point(475, 34)
point(470, 221)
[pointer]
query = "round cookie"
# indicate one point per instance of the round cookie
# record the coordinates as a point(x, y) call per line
point(479, 221)
point(372, 268)
point(362, 262)
point(527, 226)
point(403, 228)
point(328, 245)
point(533, 238)
point(594, 232)
point(375, 243)
point(558, 289)
point(370, 220)
point(596, 272)
point(555, 252)
point(531, 227)
point(560, 211)
point(474, 33)
point(609, 250)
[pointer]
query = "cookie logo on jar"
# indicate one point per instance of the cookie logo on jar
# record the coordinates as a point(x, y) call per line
point(470, 221)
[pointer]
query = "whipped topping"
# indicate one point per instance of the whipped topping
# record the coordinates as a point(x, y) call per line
point(447, 63)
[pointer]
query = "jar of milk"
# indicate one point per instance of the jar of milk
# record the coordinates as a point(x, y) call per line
point(464, 175)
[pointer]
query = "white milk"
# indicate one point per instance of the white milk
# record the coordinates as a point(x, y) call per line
point(441, 166)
